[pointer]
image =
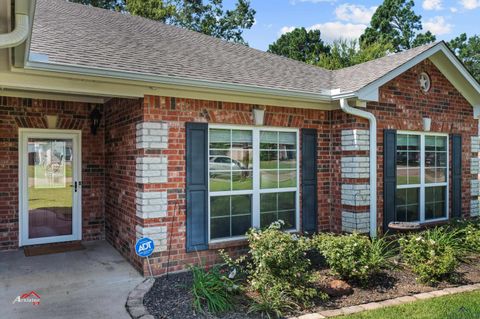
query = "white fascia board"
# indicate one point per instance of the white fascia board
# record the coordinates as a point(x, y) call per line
point(194, 83)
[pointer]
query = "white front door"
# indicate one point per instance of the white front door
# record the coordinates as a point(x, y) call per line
point(49, 186)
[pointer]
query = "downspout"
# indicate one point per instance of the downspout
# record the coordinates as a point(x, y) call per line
point(373, 160)
point(18, 35)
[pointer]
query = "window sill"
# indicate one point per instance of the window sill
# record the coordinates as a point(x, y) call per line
point(228, 244)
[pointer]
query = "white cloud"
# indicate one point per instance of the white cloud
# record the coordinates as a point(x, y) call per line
point(453, 10)
point(470, 4)
point(354, 13)
point(437, 25)
point(286, 29)
point(335, 30)
point(432, 4)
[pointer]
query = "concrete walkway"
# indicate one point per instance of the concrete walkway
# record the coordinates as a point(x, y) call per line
point(92, 283)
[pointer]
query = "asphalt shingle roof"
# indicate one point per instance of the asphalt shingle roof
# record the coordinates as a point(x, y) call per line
point(78, 35)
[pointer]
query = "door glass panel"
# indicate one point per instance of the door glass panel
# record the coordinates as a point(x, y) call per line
point(50, 191)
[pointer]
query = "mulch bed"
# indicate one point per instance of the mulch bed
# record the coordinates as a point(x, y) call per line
point(170, 296)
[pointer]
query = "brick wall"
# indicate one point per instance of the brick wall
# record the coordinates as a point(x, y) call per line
point(403, 105)
point(121, 117)
point(175, 113)
point(18, 113)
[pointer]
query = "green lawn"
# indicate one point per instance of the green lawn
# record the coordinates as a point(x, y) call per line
point(49, 197)
point(459, 306)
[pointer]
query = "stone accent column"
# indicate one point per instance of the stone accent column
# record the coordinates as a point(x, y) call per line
point(151, 204)
point(475, 170)
point(152, 170)
point(355, 168)
point(158, 234)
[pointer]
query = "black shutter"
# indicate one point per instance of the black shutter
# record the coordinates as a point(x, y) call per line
point(197, 186)
point(456, 175)
point(309, 180)
point(389, 176)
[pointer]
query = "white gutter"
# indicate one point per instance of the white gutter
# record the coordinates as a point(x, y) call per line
point(373, 160)
point(17, 36)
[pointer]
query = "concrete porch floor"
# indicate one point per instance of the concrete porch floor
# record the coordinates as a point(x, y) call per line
point(92, 283)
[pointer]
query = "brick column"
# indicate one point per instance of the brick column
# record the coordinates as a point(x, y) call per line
point(355, 168)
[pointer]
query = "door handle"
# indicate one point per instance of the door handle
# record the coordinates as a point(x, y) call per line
point(75, 186)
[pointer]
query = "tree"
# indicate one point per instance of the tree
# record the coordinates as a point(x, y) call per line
point(346, 53)
point(301, 45)
point(468, 50)
point(209, 18)
point(116, 5)
point(395, 22)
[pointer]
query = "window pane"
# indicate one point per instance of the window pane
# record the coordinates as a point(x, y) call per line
point(274, 206)
point(413, 213)
point(402, 159)
point(429, 143)
point(241, 205)
point(401, 197)
point(219, 227)
point(441, 143)
point(429, 159)
point(287, 141)
point(219, 206)
point(268, 179)
point(242, 159)
point(401, 214)
point(288, 217)
point(440, 176)
point(441, 160)
point(268, 202)
point(413, 159)
point(286, 201)
point(429, 175)
point(220, 181)
point(413, 142)
point(287, 159)
point(219, 139)
point(402, 142)
point(435, 202)
point(268, 140)
point(242, 139)
point(413, 175)
point(402, 177)
point(267, 218)
point(287, 178)
point(413, 196)
point(268, 159)
point(240, 225)
point(242, 180)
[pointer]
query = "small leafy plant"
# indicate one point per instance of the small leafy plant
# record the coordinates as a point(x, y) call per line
point(433, 254)
point(211, 288)
point(354, 256)
point(281, 273)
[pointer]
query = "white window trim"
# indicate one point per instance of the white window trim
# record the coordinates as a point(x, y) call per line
point(422, 184)
point(256, 191)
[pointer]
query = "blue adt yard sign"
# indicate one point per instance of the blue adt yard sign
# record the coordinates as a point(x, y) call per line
point(144, 247)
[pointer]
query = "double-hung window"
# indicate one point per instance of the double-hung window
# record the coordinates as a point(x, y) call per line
point(422, 177)
point(253, 179)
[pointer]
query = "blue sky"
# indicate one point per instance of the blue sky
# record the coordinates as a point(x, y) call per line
point(348, 18)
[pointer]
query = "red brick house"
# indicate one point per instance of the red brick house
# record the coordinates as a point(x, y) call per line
point(116, 127)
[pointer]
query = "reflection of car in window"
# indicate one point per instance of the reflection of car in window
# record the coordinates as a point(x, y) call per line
point(224, 163)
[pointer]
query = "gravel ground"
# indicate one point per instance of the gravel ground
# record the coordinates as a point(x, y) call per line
point(170, 297)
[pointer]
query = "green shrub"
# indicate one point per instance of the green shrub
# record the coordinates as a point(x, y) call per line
point(354, 256)
point(472, 238)
point(433, 254)
point(212, 289)
point(280, 273)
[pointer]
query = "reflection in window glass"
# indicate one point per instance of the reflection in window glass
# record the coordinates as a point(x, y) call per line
point(435, 202)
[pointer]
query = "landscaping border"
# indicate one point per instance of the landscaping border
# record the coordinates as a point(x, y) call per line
point(387, 303)
point(134, 303)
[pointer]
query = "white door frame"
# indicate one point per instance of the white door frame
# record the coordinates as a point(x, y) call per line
point(23, 135)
